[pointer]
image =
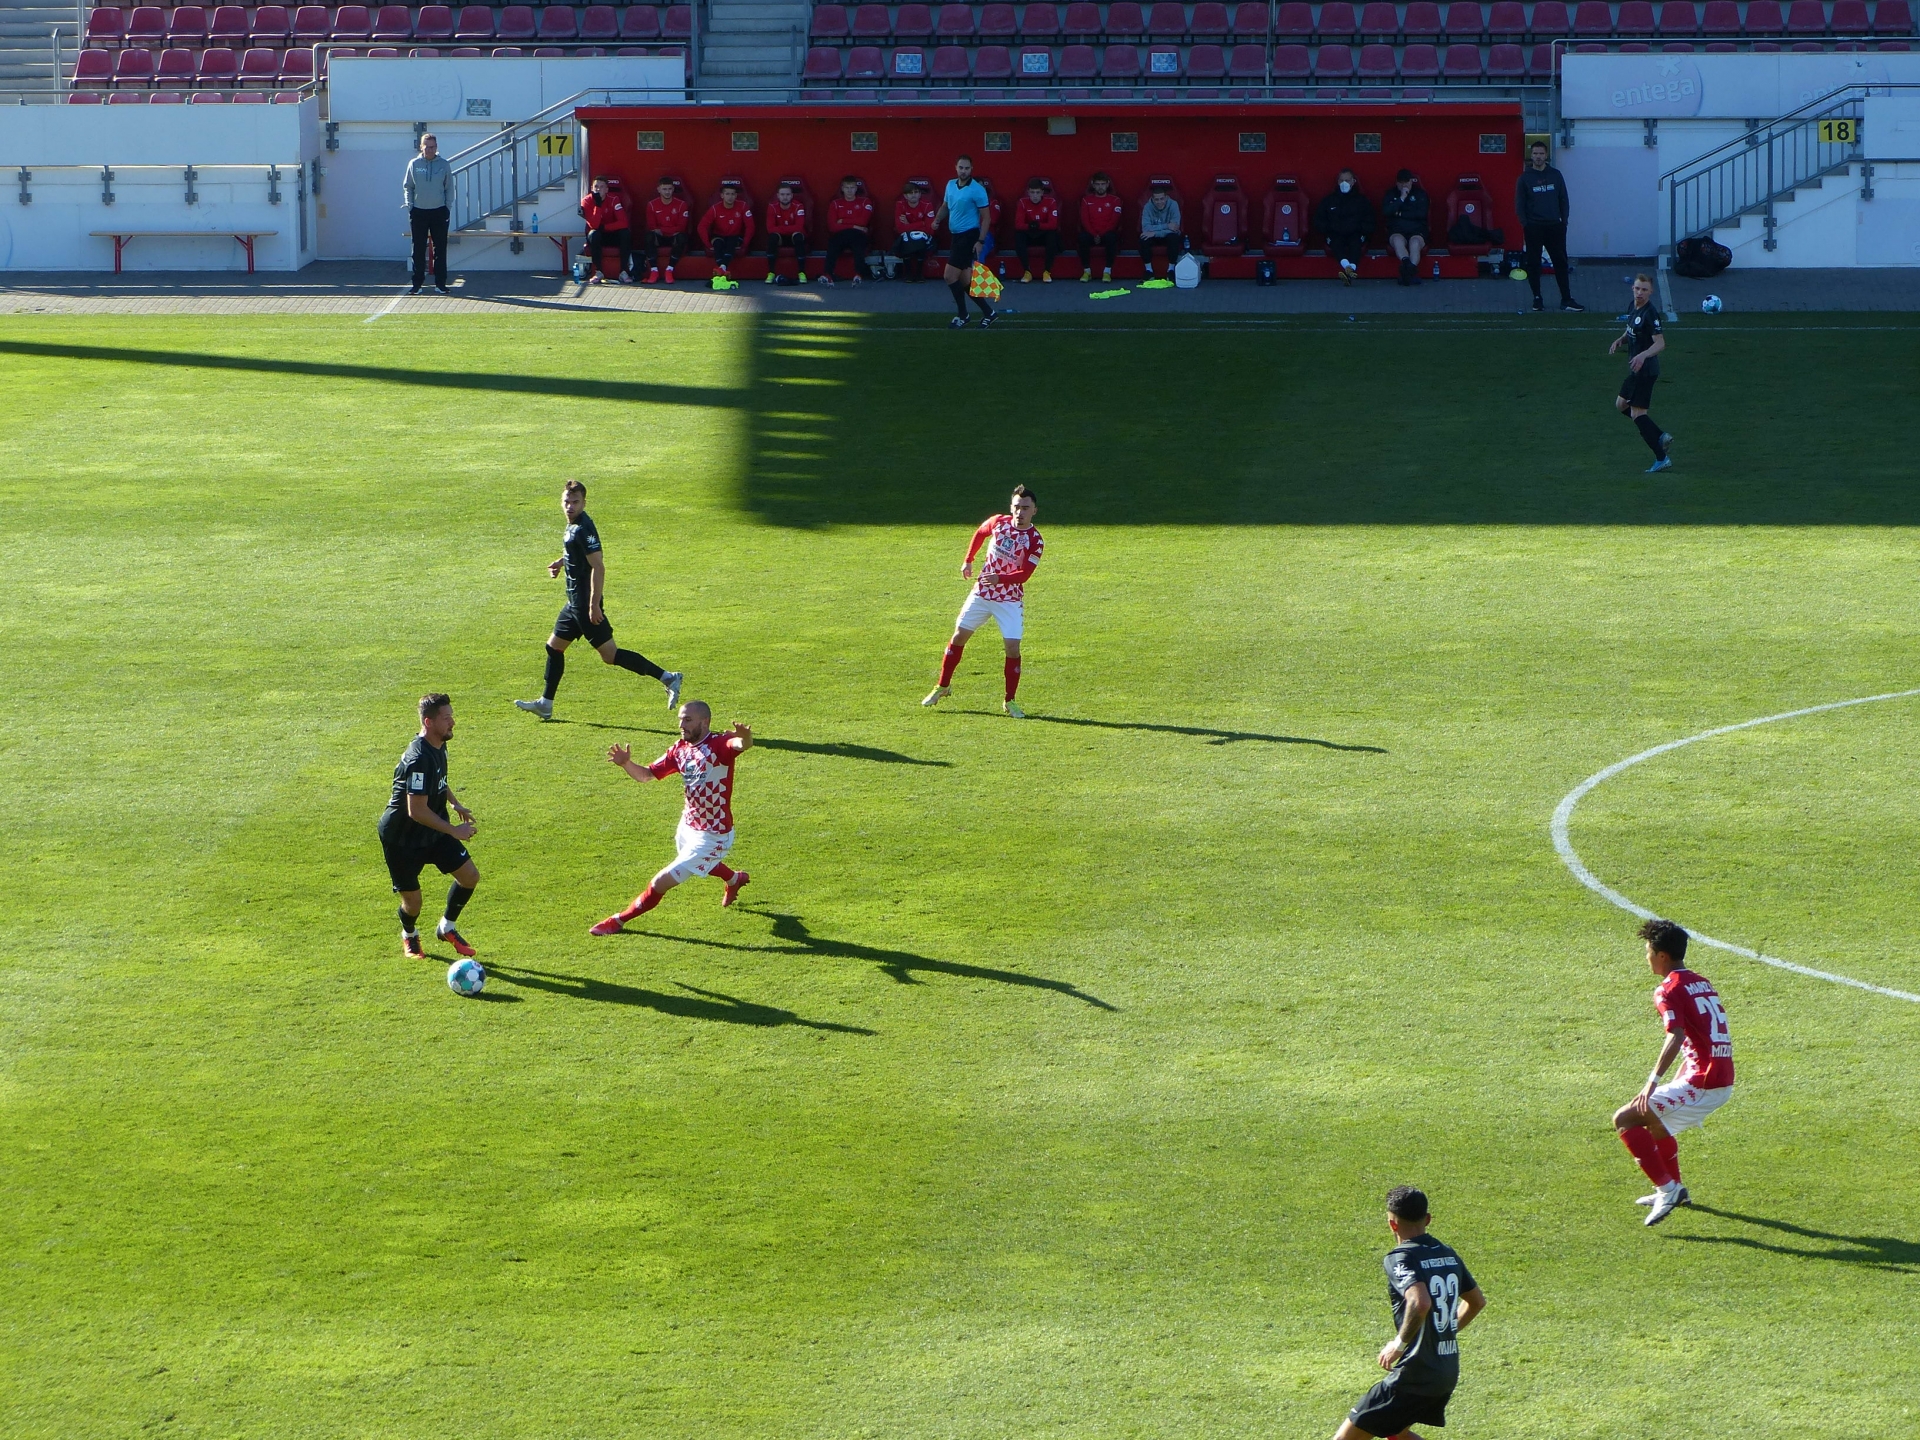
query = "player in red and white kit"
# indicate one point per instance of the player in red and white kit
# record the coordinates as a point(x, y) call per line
point(1014, 547)
point(706, 762)
point(1691, 1014)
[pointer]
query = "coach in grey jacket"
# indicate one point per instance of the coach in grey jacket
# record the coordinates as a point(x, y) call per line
point(428, 180)
point(1540, 201)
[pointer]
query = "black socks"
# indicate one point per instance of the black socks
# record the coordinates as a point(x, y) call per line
point(633, 660)
point(986, 307)
point(407, 922)
point(556, 667)
point(1650, 432)
point(959, 289)
point(457, 897)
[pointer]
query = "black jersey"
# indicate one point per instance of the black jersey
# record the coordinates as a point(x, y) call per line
point(1432, 1365)
point(581, 542)
point(1643, 328)
point(422, 771)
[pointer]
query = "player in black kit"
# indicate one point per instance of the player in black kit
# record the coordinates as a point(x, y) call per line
point(1433, 1298)
point(415, 830)
point(582, 616)
point(1645, 340)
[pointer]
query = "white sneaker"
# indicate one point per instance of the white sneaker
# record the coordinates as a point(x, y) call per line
point(542, 707)
point(937, 694)
point(1685, 1199)
point(673, 680)
point(1666, 1200)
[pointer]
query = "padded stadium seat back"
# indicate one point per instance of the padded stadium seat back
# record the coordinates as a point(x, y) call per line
point(1120, 62)
point(1039, 21)
point(272, 25)
point(871, 22)
point(1250, 22)
point(515, 22)
point(815, 216)
point(1850, 17)
point(435, 25)
point(1893, 17)
point(829, 22)
point(678, 24)
point(1210, 20)
point(1465, 22)
point(1635, 19)
point(93, 67)
point(148, 26)
point(1081, 22)
point(393, 23)
point(1462, 63)
point(1166, 21)
point(1679, 19)
point(600, 23)
point(1507, 62)
point(1290, 62)
point(950, 63)
point(993, 63)
point(913, 22)
point(106, 26)
point(1377, 62)
point(1126, 21)
point(296, 67)
point(1077, 63)
point(260, 66)
point(1206, 62)
point(558, 23)
point(176, 68)
point(1420, 62)
point(1764, 18)
point(1550, 20)
point(133, 67)
point(1293, 21)
point(219, 66)
point(998, 22)
point(713, 198)
point(1469, 200)
point(1287, 217)
point(955, 22)
point(188, 26)
point(642, 23)
point(1338, 21)
point(1380, 22)
point(1593, 20)
point(1333, 62)
point(1807, 17)
point(1507, 21)
point(1422, 21)
point(476, 23)
point(864, 62)
point(351, 23)
point(228, 26)
point(1225, 226)
point(823, 65)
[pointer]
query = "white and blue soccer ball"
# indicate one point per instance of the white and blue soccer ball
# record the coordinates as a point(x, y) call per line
point(465, 977)
point(1711, 305)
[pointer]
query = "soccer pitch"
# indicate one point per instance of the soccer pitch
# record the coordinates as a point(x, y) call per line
point(1048, 1078)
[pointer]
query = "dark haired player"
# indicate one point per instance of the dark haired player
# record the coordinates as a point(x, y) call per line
point(706, 763)
point(1434, 1298)
point(582, 615)
point(1645, 340)
point(1692, 1016)
point(999, 595)
point(415, 831)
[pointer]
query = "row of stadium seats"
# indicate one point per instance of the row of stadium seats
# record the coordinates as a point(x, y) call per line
point(1460, 21)
point(191, 26)
point(218, 66)
point(1040, 65)
point(177, 97)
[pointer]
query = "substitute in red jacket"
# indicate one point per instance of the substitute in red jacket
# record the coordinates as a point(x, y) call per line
point(1099, 225)
point(849, 228)
point(727, 227)
point(669, 227)
point(787, 224)
point(913, 216)
point(608, 223)
point(1036, 222)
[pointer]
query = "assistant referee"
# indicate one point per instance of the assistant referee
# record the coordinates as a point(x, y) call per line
point(968, 212)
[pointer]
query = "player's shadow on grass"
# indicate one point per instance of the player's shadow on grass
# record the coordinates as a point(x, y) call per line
point(696, 1004)
point(1881, 1252)
point(843, 751)
point(901, 965)
point(566, 386)
point(1212, 736)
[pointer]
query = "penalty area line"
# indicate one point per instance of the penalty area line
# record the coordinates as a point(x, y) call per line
point(1563, 816)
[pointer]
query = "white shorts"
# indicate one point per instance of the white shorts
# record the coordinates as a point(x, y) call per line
point(1682, 1107)
point(1007, 614)
point(699, 851)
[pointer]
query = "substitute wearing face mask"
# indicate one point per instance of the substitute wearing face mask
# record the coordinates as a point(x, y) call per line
point(1345, 217)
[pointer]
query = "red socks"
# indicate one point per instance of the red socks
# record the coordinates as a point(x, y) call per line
point(949, 662)
point(1013, 676)
point(1669, 1151)
point(1644, 1146)
point(643, 902)
point(723, 872)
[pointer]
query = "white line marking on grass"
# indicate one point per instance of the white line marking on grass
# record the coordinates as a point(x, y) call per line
point(1563, 813)
point(387, 309)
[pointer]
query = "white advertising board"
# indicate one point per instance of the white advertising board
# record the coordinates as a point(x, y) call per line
point(488, 89)
point(1735, 87)
point(158, 134)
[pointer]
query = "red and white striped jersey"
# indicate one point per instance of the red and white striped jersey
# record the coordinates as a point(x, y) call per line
point(1011, 555)
point(707, 768)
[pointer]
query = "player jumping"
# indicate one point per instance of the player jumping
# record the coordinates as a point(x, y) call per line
point(582, 614)
point(1692, 1016)
point(1434, 1297)
point(1644, 340)
point(706, 763)
point(1015, 548)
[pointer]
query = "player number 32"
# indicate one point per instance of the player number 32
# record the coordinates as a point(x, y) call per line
point(1445, 1290)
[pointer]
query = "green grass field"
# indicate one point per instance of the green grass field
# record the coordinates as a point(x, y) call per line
point(1047, 1080)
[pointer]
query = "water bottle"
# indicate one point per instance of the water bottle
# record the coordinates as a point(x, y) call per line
point(579, 270)
point(533, 225)
point(1436, 269)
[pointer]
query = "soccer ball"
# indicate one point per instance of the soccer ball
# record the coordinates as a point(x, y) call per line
point(1710, 305)
point(465, 977)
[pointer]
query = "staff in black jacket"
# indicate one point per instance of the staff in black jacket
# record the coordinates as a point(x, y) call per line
point(1540, 200)
point(1345, 217)
point(1406, 210)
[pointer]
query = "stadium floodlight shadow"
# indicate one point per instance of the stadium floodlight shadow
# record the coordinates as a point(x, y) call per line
point(1212, 736)
point(842, 751)
point(900, 965)
point(565, 386)
point(1879, 1252)
point(696, 1004)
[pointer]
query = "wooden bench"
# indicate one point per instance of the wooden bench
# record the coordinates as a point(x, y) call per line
point(122, 238)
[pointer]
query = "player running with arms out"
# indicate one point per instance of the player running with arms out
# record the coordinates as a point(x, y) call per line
point(1695, 1021)
point(415, 831)
point(1434, 1297)
point(706, 762)
point(1014, 547)
point(1644, 340)
point(583, 614)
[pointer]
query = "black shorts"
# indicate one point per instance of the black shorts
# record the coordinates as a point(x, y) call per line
point(574, 625)
point(961, 256)
point(405, 862)
point(1385, 1410)
point(1637, 388)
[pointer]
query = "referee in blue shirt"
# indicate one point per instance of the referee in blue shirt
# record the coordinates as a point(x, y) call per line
point(967, 210)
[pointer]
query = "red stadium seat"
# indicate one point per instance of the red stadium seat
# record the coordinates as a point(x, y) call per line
point(641, 23)
point(93, 69)
point(1721, 20)
point(993, 64)
point(296, 67)
point(393, 25)
point(1420, 64)
point(997, 22)
point(1635, 19)
point(864, 62)
point(1892, 17)
point(1126, 21)
point(950, 65)
point(1508, 21)
point(167, 97)
point(1290, 62)
point(1293, 21)
point(1284, 223)
point(207, 97)
point(515, 23)
point(1247, 64)
point(1850, 17)
point(829, 22)
point(1210, 20)
point(1167, 21)
point(312, 24)
point(1077, 64)
point(1380, 22)
point(188, 25)
point(434, 25)
point(1120, 62)
point(1807, 17)
point(351, 24)
point(1338, 21)
point(600, 24)
point(1207, 64)
point(147, 27)
point(558, 24)
point(133, 67)
point(127, 97)
point(228, 26)
point(823, 66)
point(250, 97)
point(1542, 65)
point(260, 66)
point(1333, 62)
point(913, 22)
point(1377, 64)
point(678, 23)
point(175, 69)
point(499, 52)
point(1462, 65)
point(1506, 64)
point(1250, 22)
point(219, 68)
point(1223, 230)
point(1764, 18)
point(1469, 201)
point(1593, 20)
point(1550, 20)
point(384, 52)
point(871, 22)
point(476, 25)
point(955, 22)
point(1039, 21)
point(272, 26)
point(106, 27)
point(1081, 22)
point(87, 97)
point(1679, 20)
point(1422, 21)
point(1466, 22)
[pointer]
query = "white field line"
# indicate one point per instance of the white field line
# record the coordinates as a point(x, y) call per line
point(1563, 813)
point(387, 309)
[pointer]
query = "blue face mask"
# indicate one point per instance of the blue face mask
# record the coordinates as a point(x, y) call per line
point(1345, 186)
